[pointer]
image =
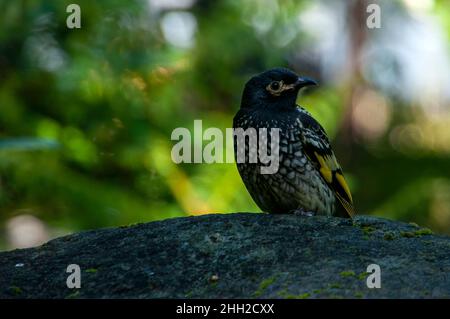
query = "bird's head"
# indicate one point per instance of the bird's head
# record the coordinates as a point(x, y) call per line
point(275, 88)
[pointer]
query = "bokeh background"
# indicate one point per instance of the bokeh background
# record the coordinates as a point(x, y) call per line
point(86, 114)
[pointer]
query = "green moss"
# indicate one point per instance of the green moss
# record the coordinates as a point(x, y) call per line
point(318, 291)
point(358, 294)
point(267, 282)
point(213, 284)
point(367, 230)
point(389, 236)
point(417, 233)
point(347, 273)
point(284, 294)
point(16, 290)
point(264, 285)
point(336, 285)
point(407, 234)
point(363, 276)
point(423, 231)
point(91, 270)
point(73, 295)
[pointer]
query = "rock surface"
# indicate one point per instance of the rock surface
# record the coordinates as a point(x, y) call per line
point(239, 255)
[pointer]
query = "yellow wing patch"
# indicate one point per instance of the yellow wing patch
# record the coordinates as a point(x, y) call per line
point(330, 168)
point(341, 180)
point(324, 169)
point(328, 164)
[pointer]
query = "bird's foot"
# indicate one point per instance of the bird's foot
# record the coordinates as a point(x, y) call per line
point(301, 212)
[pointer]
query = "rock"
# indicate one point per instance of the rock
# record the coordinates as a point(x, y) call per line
point(238, 255)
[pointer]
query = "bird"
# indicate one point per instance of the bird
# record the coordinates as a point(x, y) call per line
point(309, 180)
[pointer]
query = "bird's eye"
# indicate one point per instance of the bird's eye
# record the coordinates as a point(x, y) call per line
point(275, 86)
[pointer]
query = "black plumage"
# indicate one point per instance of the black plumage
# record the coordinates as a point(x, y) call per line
point(309, 178)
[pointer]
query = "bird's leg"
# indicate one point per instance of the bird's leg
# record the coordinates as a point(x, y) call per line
point(302, 212)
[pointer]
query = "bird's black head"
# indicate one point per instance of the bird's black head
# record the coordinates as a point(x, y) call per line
point(275, 89)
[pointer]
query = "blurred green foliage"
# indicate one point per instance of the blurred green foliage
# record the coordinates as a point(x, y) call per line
point(86, 114)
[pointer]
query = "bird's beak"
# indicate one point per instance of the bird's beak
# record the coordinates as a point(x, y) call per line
point(304, 81)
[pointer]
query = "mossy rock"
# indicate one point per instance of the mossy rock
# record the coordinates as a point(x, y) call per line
point(240, 255)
